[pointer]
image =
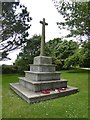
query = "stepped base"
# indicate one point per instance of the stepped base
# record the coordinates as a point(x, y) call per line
point(42, 68)
point(42, 76)
point(42, 60)
point(32, 97)
point(42, 85)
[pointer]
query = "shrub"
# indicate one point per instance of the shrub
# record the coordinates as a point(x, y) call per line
point(7, 69)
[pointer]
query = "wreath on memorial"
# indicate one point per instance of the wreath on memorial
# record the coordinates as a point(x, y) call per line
point(56, 89)
point(45, 91)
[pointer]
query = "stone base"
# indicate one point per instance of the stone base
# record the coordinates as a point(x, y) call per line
point(42, 68)
point(32, 97)
point(42, 60)
point(42, 76)
point(42, 85)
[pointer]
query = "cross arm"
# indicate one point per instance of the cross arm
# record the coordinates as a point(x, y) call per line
point(42, 23)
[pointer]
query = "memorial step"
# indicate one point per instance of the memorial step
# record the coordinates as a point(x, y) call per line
point(40, 76)
point(42, 85)
point(32, 97)
point(42, 68)
point(42, 60)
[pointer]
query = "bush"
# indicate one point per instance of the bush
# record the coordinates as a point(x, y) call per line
point(7, 69)
point(58, 63)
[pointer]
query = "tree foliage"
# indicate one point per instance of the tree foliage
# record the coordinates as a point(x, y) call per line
point(15, 24)
point(9, 69)
point(79, 59)
point(59, 50)
point(30, 50)
point(65, 54)
point(76, 18)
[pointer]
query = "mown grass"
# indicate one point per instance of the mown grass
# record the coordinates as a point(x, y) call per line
point(0, 96)
point(73, 106)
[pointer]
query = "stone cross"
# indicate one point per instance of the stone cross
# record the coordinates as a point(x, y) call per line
point(42, 53)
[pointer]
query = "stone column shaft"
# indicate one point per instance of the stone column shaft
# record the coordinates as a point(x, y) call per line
point(42, 52)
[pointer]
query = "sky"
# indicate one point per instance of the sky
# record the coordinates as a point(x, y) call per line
point(40, 9)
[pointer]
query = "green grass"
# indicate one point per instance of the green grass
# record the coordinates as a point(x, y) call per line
point(73, 106)
point(0, 96)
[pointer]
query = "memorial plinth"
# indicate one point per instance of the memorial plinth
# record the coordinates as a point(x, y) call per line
point(42, 82)
point(42, 76)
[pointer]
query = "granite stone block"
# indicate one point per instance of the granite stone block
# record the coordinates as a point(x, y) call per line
point(40, 76)
point(42, 85)
point(42, 68)
point(32, 97)
point(42, 60)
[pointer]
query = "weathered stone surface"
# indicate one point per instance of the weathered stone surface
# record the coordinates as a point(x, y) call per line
point(42, 76)
point(42, 85)
point(32, 97)
point(42, 52)
point(42, 60)
point(39, 76)
point(42, 68)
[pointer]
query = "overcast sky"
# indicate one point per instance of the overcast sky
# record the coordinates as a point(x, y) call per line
point(40, 9)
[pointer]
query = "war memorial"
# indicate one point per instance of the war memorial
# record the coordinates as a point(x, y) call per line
point(42, 82)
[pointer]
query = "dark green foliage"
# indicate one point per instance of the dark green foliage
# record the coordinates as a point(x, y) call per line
point(8, 69)
point(60, 50)
point(14, 27)
point(79, 59)
point(65, 54)
point(72, 61)
point(30, 50)
point(85, 53)
point(76, 16)
point(77, 20)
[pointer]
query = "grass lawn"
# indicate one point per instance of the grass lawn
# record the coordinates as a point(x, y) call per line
point(0, 96)
point(73, 106)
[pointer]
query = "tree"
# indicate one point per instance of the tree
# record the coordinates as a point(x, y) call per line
point(85, 52)
point(30, 50)
point(15, 24)
point(60, 50)
point(79, 58)
point(73, 61)
point(76, 18)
